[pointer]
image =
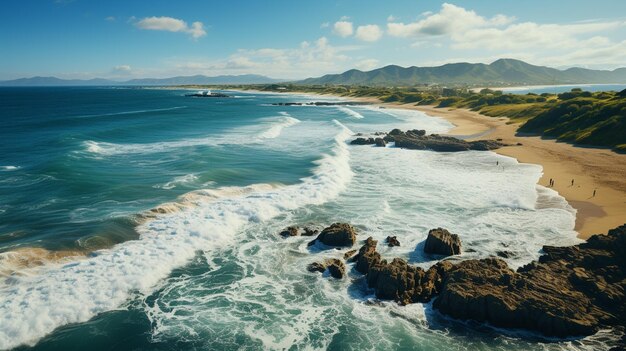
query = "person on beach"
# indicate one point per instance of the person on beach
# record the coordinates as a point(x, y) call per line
point(594, 193)
point(572, 182)
point(497, 163)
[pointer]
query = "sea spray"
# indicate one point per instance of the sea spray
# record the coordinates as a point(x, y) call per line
point(34, 306)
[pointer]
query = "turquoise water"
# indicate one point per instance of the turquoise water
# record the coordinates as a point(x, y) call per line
point(81, 168)
point(556, 89)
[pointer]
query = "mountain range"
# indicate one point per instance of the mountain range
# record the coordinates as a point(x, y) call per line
point(180, 80)
point(500, 72)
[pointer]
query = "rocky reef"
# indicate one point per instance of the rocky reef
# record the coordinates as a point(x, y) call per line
point(442, 242)
point(569, 291)
point(417, 139)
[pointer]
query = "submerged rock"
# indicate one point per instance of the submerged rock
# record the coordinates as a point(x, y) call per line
point(392, 241)
point(335, 267)
point(442, 242)
point(290, 231)
point(349, 254)
point(337, 234)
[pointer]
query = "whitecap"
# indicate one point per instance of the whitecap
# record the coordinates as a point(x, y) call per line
point(33, 306)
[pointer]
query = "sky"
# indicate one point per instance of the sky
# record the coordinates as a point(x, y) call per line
point(292, 39)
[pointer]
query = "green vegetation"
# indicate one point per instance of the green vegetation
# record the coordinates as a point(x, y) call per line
point(580, 117)
point(498, 73)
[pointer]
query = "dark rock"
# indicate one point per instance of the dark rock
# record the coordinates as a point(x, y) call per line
point(418, 140)
point(309, 232)
point(505, 254)
point(348, 255)
point(442, 242)
point(336, 268)
point(380, 142)
point(316, 267)
point(568, 291)
point(398, 280)
point(392, 241)
point(363, 141)
point(290, 231)
point(338, 234)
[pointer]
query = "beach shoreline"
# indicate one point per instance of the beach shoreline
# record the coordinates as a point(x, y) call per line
point(591, 169)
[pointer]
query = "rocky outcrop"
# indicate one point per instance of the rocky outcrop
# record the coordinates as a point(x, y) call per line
point(397, 280)
point(290, 231)
point(309, 231)
point(392, 241)
point(336, 268)
point(418, 140)
point(442, 242)
point(337, 234)
point(380, 142)
point(569, 291)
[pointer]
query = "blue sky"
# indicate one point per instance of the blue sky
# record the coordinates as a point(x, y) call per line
point(297, 39)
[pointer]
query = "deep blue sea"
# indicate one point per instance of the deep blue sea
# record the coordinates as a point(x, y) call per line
point(141, 219)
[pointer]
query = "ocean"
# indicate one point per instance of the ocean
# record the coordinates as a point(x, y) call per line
point(143, 219)
point(557, 89)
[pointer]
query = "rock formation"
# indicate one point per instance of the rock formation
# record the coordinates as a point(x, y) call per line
point(337, 234)
point(569, 291)
point(418, 140)
point(392, 241)
point(442, 242)
point(335, 267)
point(290, 231)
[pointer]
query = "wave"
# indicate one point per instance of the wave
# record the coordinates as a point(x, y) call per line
point(181, 180)
point(275, 130)
point(274, 127)
point(350, 112)
point(131, 112)
point(9, 168)
point(34, 306)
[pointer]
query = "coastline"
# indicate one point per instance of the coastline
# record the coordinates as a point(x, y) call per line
point(591, 168)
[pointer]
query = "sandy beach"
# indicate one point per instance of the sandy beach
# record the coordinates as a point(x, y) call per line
point(591, 169)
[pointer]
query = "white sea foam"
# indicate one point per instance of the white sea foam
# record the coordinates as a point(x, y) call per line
point(9, 168)
point(133, 112)
point(32, 307)
point(181, 180)
point(270, 128)
point(350, 112)
point(277, 128)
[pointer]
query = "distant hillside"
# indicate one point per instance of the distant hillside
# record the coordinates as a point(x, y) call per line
point(500, 72)
point(54, 81)
point(204, 80)
point(182, 80)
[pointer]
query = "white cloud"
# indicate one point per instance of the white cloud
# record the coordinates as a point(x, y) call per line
point(369, 32)
point(367, 64)
point(391, 18)
point(110, 19)
point(171, 24)
point(325, 25)
point(451, 19)
point(122, 68)
point(561, 45)
point(343, 29)
point(308, 59)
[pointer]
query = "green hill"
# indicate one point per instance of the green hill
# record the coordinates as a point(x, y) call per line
point(500, 72)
